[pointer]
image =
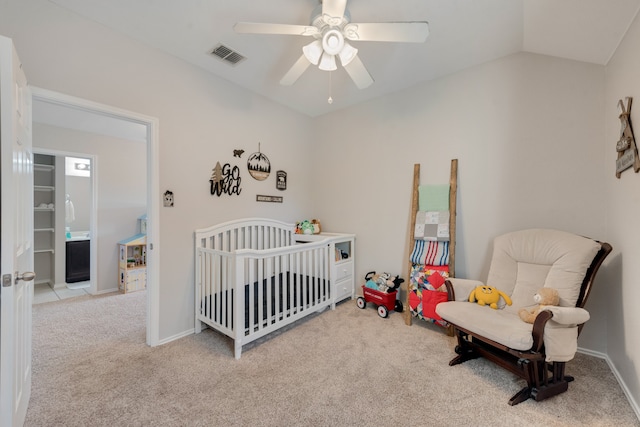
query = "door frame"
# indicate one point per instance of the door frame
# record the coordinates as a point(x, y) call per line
point(153, 193)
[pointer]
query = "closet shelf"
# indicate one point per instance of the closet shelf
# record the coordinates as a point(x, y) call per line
point(42, 251)
point(43, 167)
point(44, 217)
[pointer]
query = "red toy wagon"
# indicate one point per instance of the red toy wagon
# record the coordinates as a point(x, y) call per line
point(386, 301)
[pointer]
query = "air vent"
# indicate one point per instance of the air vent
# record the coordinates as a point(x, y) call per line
point(227, 54)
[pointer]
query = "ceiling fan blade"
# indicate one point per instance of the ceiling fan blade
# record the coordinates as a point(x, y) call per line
point(295, 71)
point(261, 28)
point(413, 32)
point(358, 73)
point(333, 11)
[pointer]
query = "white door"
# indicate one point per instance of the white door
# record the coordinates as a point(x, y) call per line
point(16, 232)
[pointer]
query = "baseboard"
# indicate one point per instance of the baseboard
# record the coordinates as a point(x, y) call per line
point(107, 291)
point(616, 374)
point(177, 336)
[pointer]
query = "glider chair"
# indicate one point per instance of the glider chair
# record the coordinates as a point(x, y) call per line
point(522, 263)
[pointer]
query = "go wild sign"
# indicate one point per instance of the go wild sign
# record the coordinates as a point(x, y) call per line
point(225, 179)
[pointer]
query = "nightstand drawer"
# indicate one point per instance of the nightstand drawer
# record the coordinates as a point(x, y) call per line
point(343, 270)
point(343, 289)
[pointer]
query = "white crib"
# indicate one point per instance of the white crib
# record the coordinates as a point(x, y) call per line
point(253, 278)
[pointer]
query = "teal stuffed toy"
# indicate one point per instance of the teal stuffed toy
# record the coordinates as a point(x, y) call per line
point(305, 227)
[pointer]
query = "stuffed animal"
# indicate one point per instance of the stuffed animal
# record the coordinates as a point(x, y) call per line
point(544, 297)
point(304, 227)
point(488, 295)
point(394, 283)
point(383, 282)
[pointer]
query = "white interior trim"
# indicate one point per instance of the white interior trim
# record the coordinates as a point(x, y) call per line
point(634, 405)
point(153, 217)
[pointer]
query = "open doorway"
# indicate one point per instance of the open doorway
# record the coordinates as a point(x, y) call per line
point(64, 111)
point(78, 196)
point(64, 215)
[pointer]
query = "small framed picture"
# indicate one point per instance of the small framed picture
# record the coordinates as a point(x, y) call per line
point(281, 180)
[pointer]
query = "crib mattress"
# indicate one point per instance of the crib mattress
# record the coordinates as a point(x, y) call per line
point(284, 297)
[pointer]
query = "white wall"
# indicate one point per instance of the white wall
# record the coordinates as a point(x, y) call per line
point(527, 131)
point(623, 271)
point(121, 189)
point(202, 120)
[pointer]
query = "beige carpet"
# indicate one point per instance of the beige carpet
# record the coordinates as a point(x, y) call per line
point(348, 367)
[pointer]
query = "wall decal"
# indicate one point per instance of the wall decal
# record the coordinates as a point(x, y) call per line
point(272, 199)
point(281, 180)
point(167, 199)
point(259, 165)
point(225, 179)
point(238, 153)
point(626, 145)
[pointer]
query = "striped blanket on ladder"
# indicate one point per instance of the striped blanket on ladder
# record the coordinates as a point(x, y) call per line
point(430, 253)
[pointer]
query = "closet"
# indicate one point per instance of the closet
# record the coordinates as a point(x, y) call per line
point(44, 218)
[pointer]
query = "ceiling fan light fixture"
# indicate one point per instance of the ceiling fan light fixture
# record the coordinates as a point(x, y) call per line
point(313, 51)
point(332, 42)
point(347, 54)
point(328, 62)
point(331, 29)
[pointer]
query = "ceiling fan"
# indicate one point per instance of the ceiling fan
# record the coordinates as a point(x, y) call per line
point(330, 28)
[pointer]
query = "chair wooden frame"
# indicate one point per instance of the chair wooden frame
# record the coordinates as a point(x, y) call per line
point(543, 379)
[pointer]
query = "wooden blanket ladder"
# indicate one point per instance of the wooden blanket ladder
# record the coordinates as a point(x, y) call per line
point(453, 191)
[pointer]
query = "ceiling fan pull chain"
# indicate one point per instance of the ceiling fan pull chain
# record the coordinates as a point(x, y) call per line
point(330, 100)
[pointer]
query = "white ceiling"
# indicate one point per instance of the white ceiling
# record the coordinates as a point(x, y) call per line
point(463, 33)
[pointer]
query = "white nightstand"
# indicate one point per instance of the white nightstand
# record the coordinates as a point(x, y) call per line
point(343, 248)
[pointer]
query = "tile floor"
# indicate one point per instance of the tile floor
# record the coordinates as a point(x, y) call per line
point(42, 292)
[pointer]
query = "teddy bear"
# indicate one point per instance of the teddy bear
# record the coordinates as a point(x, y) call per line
point(544, 297)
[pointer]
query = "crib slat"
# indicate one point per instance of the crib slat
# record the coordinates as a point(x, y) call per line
point(261, 296)
point(298, 294)
point(209, 268)
point(279, 288)
point(250, 303)
point(269, 280)
point(287, 290)
point(316, 280)
point(221, 291)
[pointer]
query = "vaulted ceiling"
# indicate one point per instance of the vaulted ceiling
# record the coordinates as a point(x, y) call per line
point(463, 33)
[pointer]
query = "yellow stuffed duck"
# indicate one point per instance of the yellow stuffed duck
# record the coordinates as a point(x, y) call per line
point(544, 297)
point(488, 295)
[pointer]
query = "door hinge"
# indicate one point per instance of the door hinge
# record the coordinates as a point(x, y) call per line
point(6, 280)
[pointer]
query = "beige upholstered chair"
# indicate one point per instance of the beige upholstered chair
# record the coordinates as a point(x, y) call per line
point(522, 262)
